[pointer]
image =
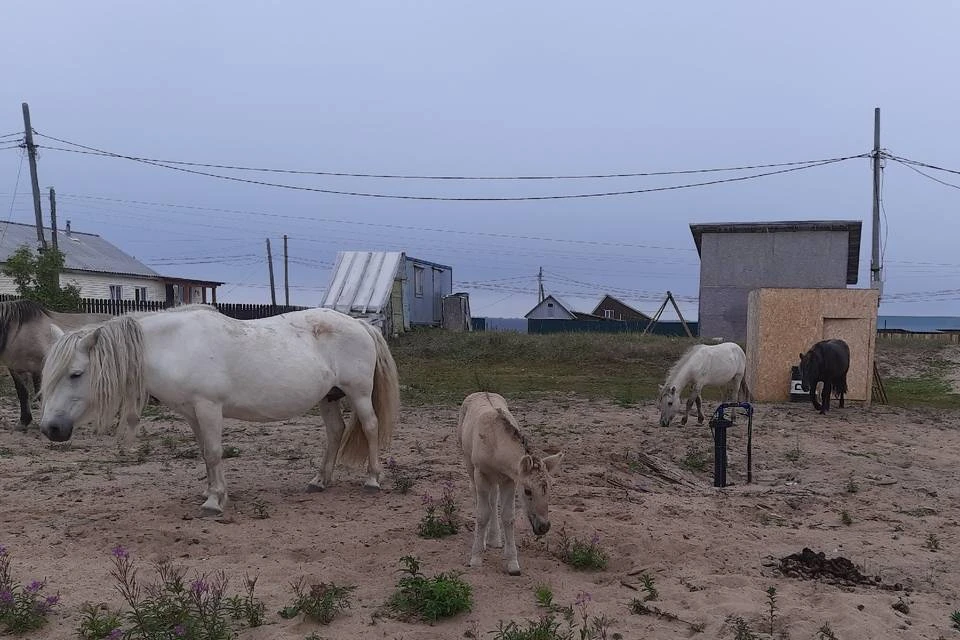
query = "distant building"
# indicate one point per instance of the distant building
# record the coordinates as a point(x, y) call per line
point(611, 308)
point(736, 258)
point(552, 308)
point(389, 288)
point(101, 270)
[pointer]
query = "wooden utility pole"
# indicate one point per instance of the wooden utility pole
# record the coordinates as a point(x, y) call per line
point(286, 274)
point(273, 291)
point(53, 218)
point(875, 282)
point(540, 282)
point(34, 181)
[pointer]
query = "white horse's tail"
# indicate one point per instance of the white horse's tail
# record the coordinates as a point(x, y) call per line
point(744, 389)
point(386, 404)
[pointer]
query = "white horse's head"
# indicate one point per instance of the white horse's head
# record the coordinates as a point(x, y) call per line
point(66, 386)
point(534, 485)
point(669, 404)
point(93, 375)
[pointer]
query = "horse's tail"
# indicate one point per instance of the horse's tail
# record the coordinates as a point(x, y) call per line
point(386, 404)
point(744, 389)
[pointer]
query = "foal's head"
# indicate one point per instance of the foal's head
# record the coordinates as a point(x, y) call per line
point(809, 370)
point(669, 404)
point(534, 485)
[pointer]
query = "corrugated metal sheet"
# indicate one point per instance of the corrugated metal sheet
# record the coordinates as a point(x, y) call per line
point(362, 281)
point(82, 251)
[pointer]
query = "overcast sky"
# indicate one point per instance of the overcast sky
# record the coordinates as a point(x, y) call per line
point(486, 89)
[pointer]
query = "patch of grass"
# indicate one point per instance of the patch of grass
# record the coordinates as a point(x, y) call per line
point(321, 604)
point(741, 630)
point(548, 627)
point(772, 607)
point(955, 619)
point(852, 486)
point(697, 459)
point(582, 555)
point(99, 623)
point(826, 633)
point(845, 518)
point(441, 367)
point(544, 596)
point(649, 587)
point(441, 517)
point(429, 599)
point(933, 542)
point(402, 481)
point(931, 388)
point(26, 608)
point(174, 607)
point(260, 509)
point(230, 452)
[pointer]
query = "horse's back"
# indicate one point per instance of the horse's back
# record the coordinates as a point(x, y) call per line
point(480, 413)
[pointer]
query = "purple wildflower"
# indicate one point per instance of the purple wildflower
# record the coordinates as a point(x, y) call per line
point(116, 634)
point(199, 586)
point(583, 598)
point(120, 553)
point(6, 597)
point(53, 600)
point(34, 587)
point(595, 539)
point(391, 463)
point(3, 551)
point(429, 500)
point(180, 631)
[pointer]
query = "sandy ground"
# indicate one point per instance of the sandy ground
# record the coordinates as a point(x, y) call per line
point(712, 553)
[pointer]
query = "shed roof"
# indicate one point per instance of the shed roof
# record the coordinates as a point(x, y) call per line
point(81, 251)
point(852, 227)
point(362, 281)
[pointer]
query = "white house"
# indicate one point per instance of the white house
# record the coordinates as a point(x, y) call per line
point(101, 270)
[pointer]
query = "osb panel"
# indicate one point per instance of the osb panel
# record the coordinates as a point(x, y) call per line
point(783, 323)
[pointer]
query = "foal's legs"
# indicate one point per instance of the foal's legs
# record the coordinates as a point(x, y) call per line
point(333, 420)
point(494, 536)
point(507, 488)
point(482, 489)
point(210, 430)
point(24, 397)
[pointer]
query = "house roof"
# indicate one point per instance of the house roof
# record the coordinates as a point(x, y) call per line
point(81, 251)
point(560, 303)
point(362, 281)
point(852, 227)
point(618, 301)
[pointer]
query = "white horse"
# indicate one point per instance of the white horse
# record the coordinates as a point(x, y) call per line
point(701, 366)
point(206, 367)
point(497, 459)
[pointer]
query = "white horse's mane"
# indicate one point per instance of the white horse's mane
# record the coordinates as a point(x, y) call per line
point(679, 365)
point(117, 383)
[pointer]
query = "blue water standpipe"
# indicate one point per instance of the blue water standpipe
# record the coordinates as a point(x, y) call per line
point(718, 427)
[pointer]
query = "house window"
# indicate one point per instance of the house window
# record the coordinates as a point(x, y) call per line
point(140, 294)
point(116, 292)
point(608, 313)
point(418, 281)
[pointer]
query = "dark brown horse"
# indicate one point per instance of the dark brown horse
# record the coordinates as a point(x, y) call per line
point(828, 361)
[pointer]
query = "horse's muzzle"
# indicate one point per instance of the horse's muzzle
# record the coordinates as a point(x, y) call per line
point(57, 431)
point(539, 525)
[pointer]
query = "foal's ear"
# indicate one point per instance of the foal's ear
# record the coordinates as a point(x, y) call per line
point(673, 390)
point(526, 464)
point(55, 332)
point(801, 356)
point(552, 463)
point(87, 342)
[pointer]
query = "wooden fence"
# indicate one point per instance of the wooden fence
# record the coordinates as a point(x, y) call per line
point(240, 311)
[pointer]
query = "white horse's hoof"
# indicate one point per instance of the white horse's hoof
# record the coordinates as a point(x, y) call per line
point(371, 485)
point(211, 507)
point(316, 485)
point(513, 568)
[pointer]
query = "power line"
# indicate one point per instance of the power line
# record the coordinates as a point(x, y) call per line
point(13, 200)
point(487, 234)
point(903, 160)
point(800, 167)
point(10, 135)
point(926, 175)
point(587, 176)
point(13, 146)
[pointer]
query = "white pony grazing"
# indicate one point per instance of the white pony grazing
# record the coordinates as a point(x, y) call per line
point(206, 367)
point(497, 459)
point(703, 365)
